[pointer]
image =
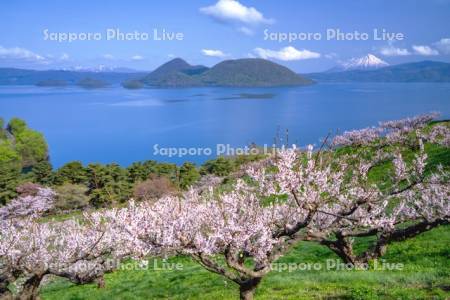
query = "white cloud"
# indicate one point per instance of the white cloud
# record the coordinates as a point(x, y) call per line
point(213, 53)
point(171, 55)
point(64, 56)
point(286, 54)
point(424, 50)
point(137, 57)
point(443, 45)
point(108, 56)
point(331, 55)
point(233, 11)
point(246, 30)
point(21, 54)
point(394, 51)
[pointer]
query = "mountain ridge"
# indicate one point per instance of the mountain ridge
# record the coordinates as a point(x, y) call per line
point(423, 71)
point(246, 72)
point(175, 72)
point(239, 73)
point(16, 76)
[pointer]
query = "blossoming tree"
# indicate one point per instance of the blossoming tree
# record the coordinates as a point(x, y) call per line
point(295, 195)
point(326, 195)
point(412, 204)
point(32, 249)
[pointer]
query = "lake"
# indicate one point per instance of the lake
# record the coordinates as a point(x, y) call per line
point(123, 126)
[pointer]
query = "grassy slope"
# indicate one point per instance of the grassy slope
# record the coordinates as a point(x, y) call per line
point(426, 273)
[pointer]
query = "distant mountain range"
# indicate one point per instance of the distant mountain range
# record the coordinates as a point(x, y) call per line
point(425, 71)
point(102, 68)
point(250, 72)
point(11, 76)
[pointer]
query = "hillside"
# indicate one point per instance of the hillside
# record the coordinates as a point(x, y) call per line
point(425, 71)
point(252, 72)
point(176, 72)
point(424, 254)
point(12, 76)
point(317, 272)
point(237, 73)
point(308, 271)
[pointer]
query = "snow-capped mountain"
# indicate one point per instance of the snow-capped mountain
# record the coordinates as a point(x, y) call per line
point(368, 62)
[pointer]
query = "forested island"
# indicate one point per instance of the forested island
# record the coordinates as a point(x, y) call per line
point(249, 72)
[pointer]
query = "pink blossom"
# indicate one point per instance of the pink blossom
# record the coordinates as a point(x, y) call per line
point(36, 205)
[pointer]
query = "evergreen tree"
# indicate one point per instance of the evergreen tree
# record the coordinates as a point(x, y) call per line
point(219, 166)
point(72, 172)
point(188, 175)
point(42, 173)
point(108, 184)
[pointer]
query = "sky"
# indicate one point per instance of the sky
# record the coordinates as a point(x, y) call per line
point(323, 34)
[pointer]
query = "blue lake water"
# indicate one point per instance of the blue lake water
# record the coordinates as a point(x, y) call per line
point(119, 125)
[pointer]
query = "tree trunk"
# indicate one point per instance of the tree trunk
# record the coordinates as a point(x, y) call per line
point(100, 282)
point(376, 252)
point(380, 247)
point(5, 293)
point(342, 248)
point(30, 288)
point(6, 278)
point(247, 288)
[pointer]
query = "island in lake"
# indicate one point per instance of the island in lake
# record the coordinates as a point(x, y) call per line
point(248, 72)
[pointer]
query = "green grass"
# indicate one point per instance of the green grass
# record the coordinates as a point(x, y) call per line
point(426, 275)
